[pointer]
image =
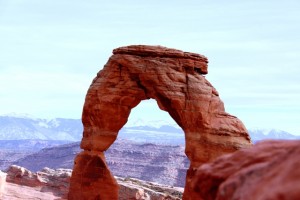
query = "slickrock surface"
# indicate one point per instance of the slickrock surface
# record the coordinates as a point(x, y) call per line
point(51, 184)
point(21, 192)
point(175, 80)
point(268, 170)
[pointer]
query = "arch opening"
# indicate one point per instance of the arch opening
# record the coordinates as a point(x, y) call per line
point(151, 146)
point(149, 124)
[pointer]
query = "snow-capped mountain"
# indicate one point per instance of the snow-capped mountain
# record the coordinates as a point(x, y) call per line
point(258, 134)
point(24, 128)
point(152, 131)
point(150, 123)
point(20, 115)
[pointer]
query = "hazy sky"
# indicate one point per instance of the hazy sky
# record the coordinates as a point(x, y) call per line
point(51, 50)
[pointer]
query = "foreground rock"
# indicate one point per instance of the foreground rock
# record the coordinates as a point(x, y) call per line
point(47, 180)
point(269, 170)
point(54, 184)
point(175, 80)
point(21, 192)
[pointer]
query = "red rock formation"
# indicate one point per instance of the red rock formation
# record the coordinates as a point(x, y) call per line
point(268, 170)
point(175, 80)
point(55, 181)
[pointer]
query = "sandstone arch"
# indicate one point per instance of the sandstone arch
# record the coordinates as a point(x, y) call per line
point(175, 80)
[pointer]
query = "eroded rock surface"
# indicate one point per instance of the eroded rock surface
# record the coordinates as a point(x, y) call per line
point(131, 188)
point(268, 170)
point(48, 180)
point(175, 80)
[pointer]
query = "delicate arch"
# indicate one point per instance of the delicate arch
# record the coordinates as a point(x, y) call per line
point(175, 80)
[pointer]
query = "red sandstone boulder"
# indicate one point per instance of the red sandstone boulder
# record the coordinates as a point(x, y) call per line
point(269, 170)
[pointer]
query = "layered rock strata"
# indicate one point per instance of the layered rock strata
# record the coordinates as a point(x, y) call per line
point(269, 170)
point(175, 80)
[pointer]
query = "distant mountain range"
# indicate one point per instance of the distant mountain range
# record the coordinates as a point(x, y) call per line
point(265, 134)
point(26, 128)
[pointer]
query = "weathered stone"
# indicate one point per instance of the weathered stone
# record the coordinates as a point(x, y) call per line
point(47, 180)
point(175, 80)
point(268, 170)
point(22, 176)
point(131, 188)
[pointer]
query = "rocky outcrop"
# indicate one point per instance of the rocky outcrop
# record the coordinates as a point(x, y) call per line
point(47, 180)
point(53, 184)
point(175, 80)
point(269, 170)
point(131, 188)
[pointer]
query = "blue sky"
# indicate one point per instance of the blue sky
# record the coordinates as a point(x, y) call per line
point(51, 50)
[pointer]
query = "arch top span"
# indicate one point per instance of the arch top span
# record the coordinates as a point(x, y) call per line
point(190, 60)
point(175, 80)
point(158, 51)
